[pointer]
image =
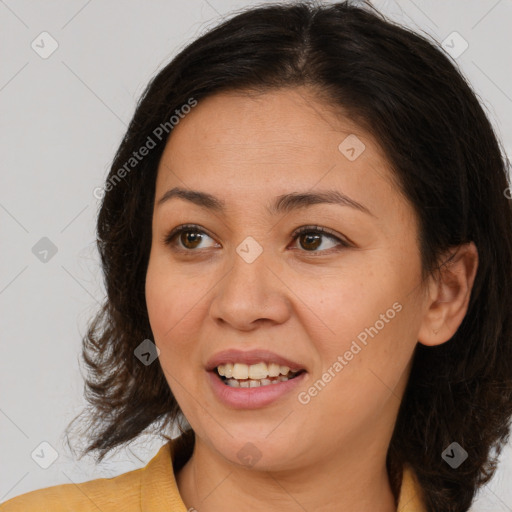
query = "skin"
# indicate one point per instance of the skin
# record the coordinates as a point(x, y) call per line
point(305, 301)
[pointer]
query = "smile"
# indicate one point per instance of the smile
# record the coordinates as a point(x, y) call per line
point(250, 393)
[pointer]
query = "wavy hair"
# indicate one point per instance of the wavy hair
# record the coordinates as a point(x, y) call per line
point(448, 162)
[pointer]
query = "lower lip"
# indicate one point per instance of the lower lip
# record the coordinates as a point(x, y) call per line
point(252, 398)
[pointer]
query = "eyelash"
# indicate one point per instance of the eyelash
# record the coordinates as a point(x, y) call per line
point(174, 233)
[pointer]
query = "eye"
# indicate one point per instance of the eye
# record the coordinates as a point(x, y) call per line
point(189, 236)
point(310, 238)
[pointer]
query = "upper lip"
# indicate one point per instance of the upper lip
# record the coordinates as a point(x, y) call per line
point(250, 357)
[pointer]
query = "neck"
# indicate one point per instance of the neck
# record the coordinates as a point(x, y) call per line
point(210, 483)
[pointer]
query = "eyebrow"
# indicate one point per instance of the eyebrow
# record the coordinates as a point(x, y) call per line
point(282, 204)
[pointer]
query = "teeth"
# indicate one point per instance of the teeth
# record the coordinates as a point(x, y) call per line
point(273, 370)
point(258, 371)
point(226, 370)
point(240, 371)
point(254, 371)
point(250, 383)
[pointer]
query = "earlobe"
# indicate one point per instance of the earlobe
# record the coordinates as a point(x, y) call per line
point(448, 298)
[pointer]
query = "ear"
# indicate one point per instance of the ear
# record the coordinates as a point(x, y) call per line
point(447, 300)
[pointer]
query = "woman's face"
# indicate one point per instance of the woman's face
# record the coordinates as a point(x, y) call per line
point(345, 306)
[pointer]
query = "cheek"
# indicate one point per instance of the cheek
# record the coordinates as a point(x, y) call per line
point(159, 297)
point(176, 305)
point(168, 320)
point(168, 295)
point(343, 305)
point(166, 302)
point(369, 323)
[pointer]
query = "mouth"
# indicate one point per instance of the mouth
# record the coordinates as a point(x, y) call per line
point(240, 375)
point(254, 383)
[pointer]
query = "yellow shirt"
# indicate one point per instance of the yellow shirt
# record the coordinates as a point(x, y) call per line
point(149, 489)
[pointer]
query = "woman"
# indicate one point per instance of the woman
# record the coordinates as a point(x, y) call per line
point(306, 243)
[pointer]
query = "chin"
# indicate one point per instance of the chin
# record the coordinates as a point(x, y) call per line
point(258, 452)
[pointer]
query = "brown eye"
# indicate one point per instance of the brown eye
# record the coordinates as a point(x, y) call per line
point(187, 238)
point(310, 241)
point(190, 239)
point(312, 238)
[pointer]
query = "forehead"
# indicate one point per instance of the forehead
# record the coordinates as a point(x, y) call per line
point(242, 147)
point(286, 123)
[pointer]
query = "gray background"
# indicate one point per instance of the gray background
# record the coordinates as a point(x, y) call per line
point(62, 118)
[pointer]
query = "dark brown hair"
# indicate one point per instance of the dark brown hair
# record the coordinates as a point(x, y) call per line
point(408, 94)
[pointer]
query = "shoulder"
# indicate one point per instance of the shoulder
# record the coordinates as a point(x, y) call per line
point(105, 494)
point(151, 487)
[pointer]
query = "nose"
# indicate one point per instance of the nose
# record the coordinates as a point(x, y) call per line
point(250, 294)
